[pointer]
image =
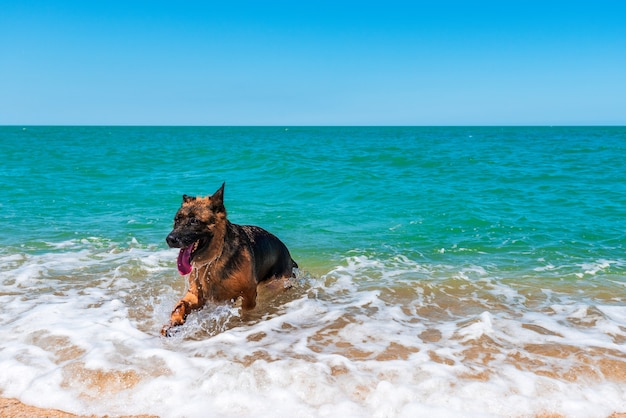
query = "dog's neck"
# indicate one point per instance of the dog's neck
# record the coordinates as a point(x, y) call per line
point(216, 246)
point(200, 264)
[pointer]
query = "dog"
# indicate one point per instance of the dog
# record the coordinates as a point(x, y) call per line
point(224, 261)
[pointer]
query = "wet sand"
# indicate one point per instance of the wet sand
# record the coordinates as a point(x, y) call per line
point(15, 409)
point(12, 408)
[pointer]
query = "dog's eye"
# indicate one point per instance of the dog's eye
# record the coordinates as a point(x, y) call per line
point(193, 220)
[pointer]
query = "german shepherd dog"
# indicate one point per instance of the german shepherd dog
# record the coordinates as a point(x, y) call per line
point(224, 261)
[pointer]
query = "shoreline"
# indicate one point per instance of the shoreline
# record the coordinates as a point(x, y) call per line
point(11, 407)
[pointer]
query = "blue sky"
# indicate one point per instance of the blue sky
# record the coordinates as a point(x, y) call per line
point(312, 63)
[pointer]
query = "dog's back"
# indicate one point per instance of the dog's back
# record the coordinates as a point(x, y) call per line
point(271, 257)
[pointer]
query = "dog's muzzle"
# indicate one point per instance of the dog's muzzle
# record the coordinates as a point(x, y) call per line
point(174, 241)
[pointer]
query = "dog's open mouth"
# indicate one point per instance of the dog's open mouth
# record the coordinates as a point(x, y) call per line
point(184, 258)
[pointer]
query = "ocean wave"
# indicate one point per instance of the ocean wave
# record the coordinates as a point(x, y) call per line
point(373, 336)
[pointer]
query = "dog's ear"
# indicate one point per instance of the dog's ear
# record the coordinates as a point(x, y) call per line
point(217, 200)
point(187, 199)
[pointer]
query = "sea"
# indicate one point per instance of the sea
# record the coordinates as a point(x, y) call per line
point(443, 271)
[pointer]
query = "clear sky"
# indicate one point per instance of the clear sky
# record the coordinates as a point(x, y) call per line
point(320, 62)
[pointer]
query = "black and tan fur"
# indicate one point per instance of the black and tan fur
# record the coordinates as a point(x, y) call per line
point(227, 260)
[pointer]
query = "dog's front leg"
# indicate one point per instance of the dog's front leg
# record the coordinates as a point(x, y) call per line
point(183, 308)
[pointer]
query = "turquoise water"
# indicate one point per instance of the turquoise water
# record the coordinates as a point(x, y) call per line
point(504, 195)
point(504, 230)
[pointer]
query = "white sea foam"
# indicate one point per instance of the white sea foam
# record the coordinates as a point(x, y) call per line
point(80, 326)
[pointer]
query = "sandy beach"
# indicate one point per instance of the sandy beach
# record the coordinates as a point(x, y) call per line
point(16, 409)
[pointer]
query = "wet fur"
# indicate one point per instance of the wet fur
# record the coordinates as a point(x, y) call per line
point(230, 261)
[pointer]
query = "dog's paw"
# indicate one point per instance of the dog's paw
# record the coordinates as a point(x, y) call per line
point(169, 329)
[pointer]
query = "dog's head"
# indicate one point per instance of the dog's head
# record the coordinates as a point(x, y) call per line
point(194, 226)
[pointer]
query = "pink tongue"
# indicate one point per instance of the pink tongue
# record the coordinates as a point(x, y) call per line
point(184, 262)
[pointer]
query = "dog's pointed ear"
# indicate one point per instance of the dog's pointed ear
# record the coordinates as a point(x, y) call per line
point(187, 199)
point(217, 200)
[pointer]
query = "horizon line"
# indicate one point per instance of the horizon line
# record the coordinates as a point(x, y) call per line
point(316, 126)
